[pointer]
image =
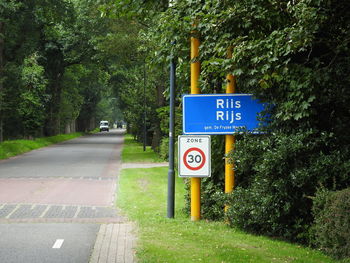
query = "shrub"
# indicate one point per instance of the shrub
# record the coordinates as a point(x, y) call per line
point(259, 211)
point(332, 222)
point(213, 200)
point(275, 174)
point(212, 196)
point(164, 148)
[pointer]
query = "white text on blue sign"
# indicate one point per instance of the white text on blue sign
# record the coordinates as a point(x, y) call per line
point(220, 113)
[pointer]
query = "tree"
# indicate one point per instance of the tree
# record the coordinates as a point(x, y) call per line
point(292, 54)
point(49, 62)
point(6, 7)
point(31, 109)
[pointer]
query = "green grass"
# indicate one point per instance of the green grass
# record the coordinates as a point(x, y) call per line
point(133, 152)
point(16, 147)
point(142, 196)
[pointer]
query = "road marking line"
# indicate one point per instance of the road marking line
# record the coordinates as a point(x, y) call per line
point(58, 243)
point(45, 211)
point(13, 211)
point(77, 212)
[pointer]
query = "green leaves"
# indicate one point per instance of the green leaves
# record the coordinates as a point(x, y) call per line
point(31, 107)
point(332, 224)
point(292, 54)
point(276, 173)
point(279, 54)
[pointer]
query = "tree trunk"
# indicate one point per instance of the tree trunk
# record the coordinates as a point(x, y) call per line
point(73, 126)
point(53, 119)
point(55, 69)
point(157, 134)
point(56, 102)
point(1, 78)
point(92, 124)
point(67, 129)
point(70, 127)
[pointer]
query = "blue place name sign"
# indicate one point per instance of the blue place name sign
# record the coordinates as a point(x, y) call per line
point(221, 113)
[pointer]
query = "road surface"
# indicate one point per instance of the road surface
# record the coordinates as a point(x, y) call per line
point(53, 201)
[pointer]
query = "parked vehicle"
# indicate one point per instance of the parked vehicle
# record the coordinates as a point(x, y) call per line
point(119, 125)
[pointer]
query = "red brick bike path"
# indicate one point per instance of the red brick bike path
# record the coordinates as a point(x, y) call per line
point(91, 192)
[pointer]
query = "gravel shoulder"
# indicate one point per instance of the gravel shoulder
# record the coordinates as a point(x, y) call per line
point(143, 165)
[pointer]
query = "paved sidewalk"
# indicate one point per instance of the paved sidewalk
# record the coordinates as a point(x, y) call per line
point(115, 243)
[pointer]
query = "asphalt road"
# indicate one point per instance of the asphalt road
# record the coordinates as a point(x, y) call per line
point(47, 242)
point(53, 200)
point(88, 156)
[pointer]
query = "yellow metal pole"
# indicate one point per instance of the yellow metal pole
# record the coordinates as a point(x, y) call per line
point(229, 139)
point(229, 172)
point(195, 65)
point(195, 182)
point(195, 199)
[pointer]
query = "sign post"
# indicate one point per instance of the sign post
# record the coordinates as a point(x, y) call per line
point(194, 156)
point(171, 170)
point(229, 138)
point(195, 71)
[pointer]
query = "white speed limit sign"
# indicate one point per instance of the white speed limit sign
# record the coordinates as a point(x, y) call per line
point(194, 156)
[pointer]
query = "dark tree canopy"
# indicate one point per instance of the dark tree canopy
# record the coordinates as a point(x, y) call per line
point(292, 54)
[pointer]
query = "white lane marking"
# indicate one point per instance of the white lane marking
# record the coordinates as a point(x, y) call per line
point(45, 211)
point(13, 211)
point(58, 243)
point(77, 212)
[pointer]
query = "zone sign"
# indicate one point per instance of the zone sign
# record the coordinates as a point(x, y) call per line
point(194, 156)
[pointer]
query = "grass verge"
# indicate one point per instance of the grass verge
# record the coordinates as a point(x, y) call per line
point(142, 196)
point(16, 147)
point(133, 152)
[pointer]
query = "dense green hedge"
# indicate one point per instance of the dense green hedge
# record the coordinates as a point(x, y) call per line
point(277, 174)
point(332, 222)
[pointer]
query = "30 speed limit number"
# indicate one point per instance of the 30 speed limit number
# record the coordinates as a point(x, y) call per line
point(194, 156)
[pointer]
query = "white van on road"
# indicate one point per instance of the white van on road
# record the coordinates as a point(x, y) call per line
point(104, 126)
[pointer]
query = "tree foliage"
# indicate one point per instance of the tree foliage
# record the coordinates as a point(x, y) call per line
point(332, 222)
point(291, 54)
point(30, 107)
point(53, 70)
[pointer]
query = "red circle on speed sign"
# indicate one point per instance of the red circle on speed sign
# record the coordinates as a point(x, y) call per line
point(194, 159)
